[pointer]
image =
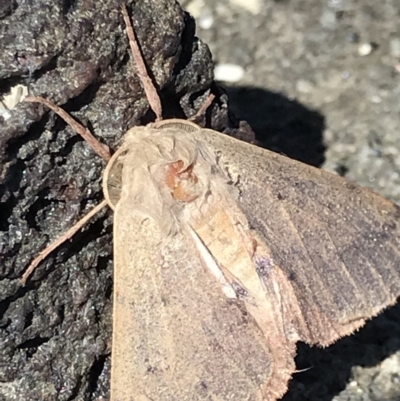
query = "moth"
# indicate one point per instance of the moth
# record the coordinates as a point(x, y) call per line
point(226, 255)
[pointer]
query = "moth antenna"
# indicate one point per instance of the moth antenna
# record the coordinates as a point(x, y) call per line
point(69, 234)
point(102, 150)
point(148, 86)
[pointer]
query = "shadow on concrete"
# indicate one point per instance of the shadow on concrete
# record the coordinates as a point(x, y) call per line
point(280, 124)
point(328, 371)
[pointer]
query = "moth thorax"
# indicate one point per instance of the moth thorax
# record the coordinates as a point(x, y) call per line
point(136, 137)
point(161, 173)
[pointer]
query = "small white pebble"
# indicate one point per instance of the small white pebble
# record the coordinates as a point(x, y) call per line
point(17, 94)
point(353, 383)
point(206, 22)
point(364, 49)
point(228, 72)
point(304, 86)
point(376, 99)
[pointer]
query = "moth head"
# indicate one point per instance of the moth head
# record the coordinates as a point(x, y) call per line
point(112, 178)
point(164, 171)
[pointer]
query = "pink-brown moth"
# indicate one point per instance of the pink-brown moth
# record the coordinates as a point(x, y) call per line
point(226, 255)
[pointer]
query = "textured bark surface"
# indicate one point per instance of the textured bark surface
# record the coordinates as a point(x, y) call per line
point(55, 332)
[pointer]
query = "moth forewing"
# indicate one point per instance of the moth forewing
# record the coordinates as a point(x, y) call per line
point(215, 212)
point(336, 245)
point(176, 334)
point(240, 253)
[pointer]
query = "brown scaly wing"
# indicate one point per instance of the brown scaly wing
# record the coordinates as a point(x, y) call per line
point(335, 245)
point(176, 336)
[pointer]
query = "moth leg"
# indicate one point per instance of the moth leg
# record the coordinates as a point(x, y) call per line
point(69, 234)
point(148, 86)
point(102, 150)
point(206, 104)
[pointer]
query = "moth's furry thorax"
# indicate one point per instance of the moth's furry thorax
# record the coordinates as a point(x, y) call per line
point(146, 169)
